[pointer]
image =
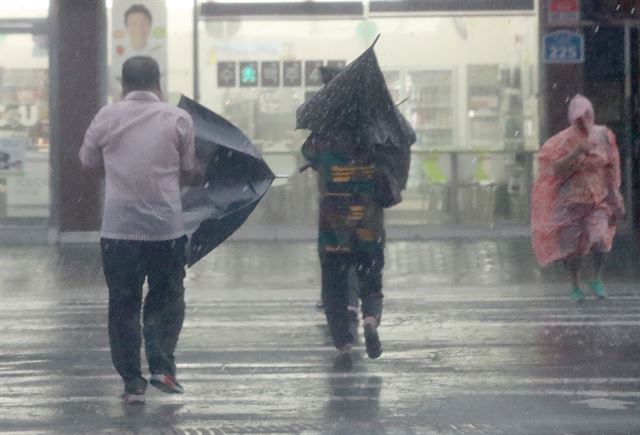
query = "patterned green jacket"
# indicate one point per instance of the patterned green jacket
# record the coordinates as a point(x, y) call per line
point(351, 218)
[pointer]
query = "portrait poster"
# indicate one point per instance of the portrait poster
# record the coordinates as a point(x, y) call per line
point(139, 29)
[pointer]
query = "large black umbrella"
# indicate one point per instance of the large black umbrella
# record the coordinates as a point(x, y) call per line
point(235, 177)
point(357, 99)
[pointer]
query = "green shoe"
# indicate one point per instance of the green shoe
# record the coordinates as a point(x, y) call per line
point(577, 295)
point(598, 288)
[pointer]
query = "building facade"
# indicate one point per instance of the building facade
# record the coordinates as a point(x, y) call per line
point(471, 76)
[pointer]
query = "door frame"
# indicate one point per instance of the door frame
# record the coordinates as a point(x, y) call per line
point(631, 171)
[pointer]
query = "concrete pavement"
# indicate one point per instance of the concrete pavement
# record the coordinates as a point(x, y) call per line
point(477, 340)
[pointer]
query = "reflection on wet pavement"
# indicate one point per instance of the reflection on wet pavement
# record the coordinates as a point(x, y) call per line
point(477, 340)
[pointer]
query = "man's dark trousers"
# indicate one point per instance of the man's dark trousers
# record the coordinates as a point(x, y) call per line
point(126, 264)
point(335, 290)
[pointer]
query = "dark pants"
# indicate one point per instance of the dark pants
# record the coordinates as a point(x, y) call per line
point(126, 264)
point(335, 290)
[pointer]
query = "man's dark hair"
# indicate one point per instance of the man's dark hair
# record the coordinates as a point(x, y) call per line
point(137, 9)
point(141, 73)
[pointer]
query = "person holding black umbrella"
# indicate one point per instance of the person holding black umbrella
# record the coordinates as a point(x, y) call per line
point(355, 184)
point(351, 235)
point(144, 146)
point(359, 145)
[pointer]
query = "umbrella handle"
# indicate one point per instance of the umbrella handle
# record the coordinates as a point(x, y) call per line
point(304, 167)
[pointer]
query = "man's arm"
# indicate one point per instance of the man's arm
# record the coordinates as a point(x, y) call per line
point(191, 178)
point(566, 165)
point(91, 150)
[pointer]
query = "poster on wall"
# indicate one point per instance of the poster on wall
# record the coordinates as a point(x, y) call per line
point(139, 29)
point(12, 154)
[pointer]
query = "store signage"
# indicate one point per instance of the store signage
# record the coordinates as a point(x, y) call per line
point(312, 73)
point(241, 8)
point(24, 115)
point(248, 74)
point(412, 6)
point(563, 12)
point(270, 74)
point(292, 73)
point(564, 47)
point(226, 74)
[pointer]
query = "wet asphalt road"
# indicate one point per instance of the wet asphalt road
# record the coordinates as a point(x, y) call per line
point(476, 340)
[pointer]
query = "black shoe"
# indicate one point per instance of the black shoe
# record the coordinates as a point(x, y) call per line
point(372, 341)
point(134, 391)
point(343, 362)
point(166, 384)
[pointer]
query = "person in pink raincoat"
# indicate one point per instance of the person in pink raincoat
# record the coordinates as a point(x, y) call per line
point(576, 198)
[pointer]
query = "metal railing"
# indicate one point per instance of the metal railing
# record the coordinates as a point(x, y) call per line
point(448, 186)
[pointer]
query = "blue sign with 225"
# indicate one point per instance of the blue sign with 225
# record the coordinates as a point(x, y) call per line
point(564, 46)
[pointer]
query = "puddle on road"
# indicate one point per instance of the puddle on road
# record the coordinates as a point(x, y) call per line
point(608, 404)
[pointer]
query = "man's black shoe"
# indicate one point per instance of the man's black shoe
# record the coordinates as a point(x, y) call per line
point(134, 391)
point(343, 362)
point(166, 384)
point(372, 341)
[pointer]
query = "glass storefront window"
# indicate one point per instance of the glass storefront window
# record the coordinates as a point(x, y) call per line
point(24, 9)
point(24, 127)
point(470, 85)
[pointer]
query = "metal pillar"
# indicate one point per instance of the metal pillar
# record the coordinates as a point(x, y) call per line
point(78, 74)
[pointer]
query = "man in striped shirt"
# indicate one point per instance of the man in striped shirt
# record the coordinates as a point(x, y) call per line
point(144, 146)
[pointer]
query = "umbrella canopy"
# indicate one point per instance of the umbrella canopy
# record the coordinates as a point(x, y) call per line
point(327, 73)
point(235, 179)
point(356, 99)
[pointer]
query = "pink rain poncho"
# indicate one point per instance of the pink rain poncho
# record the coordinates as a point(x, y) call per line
point(576, 211)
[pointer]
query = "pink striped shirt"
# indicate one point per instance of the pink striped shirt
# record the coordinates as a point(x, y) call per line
point(143, 145)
